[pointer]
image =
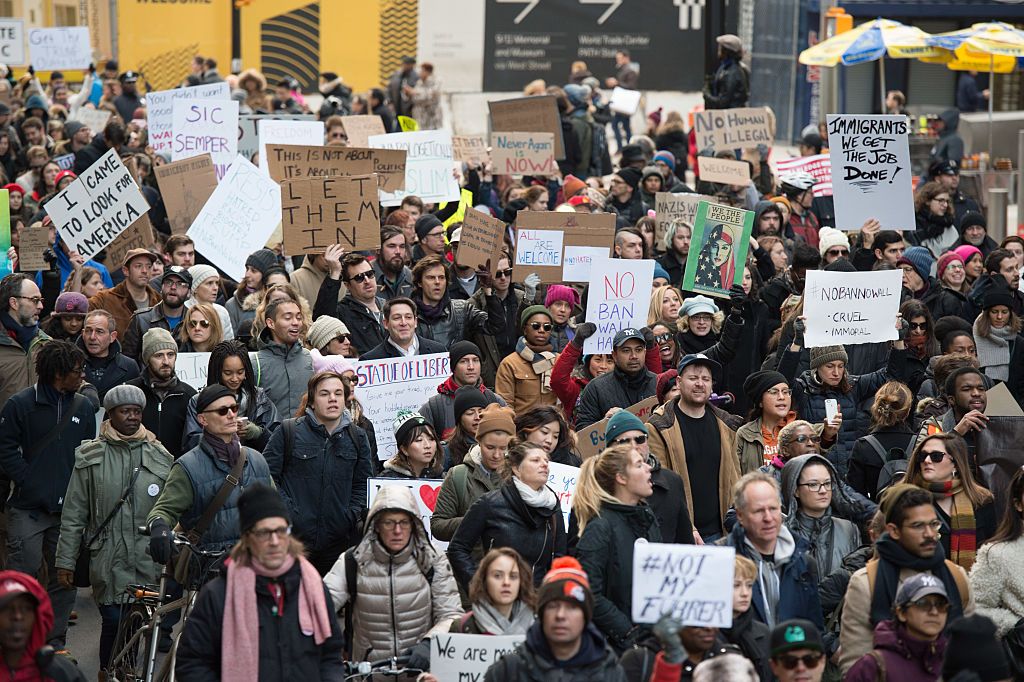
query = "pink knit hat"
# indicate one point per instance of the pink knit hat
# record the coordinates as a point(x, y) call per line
point(331, 363)
point(966, 252)
point(560, 292)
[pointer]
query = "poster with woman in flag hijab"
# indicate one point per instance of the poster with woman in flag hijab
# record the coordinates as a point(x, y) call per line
point(722, 237)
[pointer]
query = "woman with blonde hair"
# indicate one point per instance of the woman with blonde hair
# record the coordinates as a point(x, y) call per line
point(612, 513)
point(201, 329)
point(665, 305)
point(889, 438)
point(502, 596)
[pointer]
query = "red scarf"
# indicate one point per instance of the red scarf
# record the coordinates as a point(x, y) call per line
point(449, 387)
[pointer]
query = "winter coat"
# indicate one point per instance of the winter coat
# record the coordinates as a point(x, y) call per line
point(532, 661)
point(740, 351)
point(984, 285)
point(166, 417)
point(949, 146)
point(997, 583)
point(904, 658)
point(322, 480)
point(501, 518)
point(520, 386)
point(943, 301)
point(307, 281)
point(242, 308)
point(460, 320)
point(613, 389)
point(750, 446)
point(605, 550)
point(401, 287)
point(675, 266)
point(103, 468)
point(752, 637)
point(142, 321)
point(426, 103)
point(260, 412)
point(119, 303)
point(645, 662)
point(387, 349)
point(674, 141)
point(669, 504)
point(723, 348)
point(730, 86)
point(937, 233)
point(463, 485)
point(283, 372)
point(285, 652)
point(396, 606)
point(367, 332)
point(848, 503)
point(439, 410)
point(113, 370)
point(17, 366)
point(866, 463)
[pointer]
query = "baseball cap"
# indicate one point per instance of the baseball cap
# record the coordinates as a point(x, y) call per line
point(456, 235)
point(135, 253)
point(795, 634)
point(943, 168)
point(918, 586)
point(626, 334)
point(179, 272)
point(11, 588)
point(697, 359)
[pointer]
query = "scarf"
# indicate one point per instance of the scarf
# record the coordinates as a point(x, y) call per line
point(110, 433)
point(994, 351)
point(23, 335)
point(225, 452)
point(544, 498)
point(918, 345)
point(542, 360)
point(963, 537)
point(160, 386)
point(492, 622)
point(448, 387)
point(431, 313)
point(690, 343)
point(891, 558)
point(241, 635)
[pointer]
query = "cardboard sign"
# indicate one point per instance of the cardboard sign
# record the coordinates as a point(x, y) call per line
point(562, 479)
point(851, 307)
point(578, 260)
point(718, 249)
point(389, 165)
point(578, 229)
point(428, 166)
point(470, 149)
point(871, 155)
point(538, 248)
point(723, 171)
point(692, 582)
point(186, 186)
point(238, 217)
point(205, 126)
point(138, 235)
point(53, 49)
point(734, 128)
point(98, 206)
point(625, 101)
point(393, 384)
point(670, 207)
point(12, 42)
point(528, 115)
point(359, 129)
point(819, 165)
point(34, 241)
point(191, 368)
point(160, 110)
point(590, 439)
point(93, 119)
point(321, 212)
point(425, 490)
point(619, 297)
point(466, 658)
point(481, 240)
point(520, 154)
point(248, 131)
point(303, 162)
point(276, 131)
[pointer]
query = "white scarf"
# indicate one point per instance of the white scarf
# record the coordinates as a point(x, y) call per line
point(544, 498)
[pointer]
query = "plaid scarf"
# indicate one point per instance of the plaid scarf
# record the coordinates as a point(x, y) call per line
point(963, 537)
point(541, 361)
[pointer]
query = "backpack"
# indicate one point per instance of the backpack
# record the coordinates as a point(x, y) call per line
point(894, 461)
point(964, 592)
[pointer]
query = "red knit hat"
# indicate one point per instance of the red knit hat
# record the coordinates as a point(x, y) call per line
point(572, 186)
point(560, 292)
point(15, 187)
point(945, 260)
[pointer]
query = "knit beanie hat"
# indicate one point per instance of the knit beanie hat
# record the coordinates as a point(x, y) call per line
point(967, 252)
point(534, 310)
point(572, 186)
point(621, 422)
point(466, 398)
point(891, 495)
point(124, 395)
point(260, 502)
point(425, 223)
point(840, 265)
point(495, 418)
point(324, 329)
point(71, 303)
point(919, 258)
point(262, 260)
point(972, 218)
point(461, 349)
point(660, 272)
point(823, 354)
point(211, 394)
point(560, 292)
point(200, 273)
point(666, 157)
point(944, 261)
point(666, 380)
point(630, 176)
point(759, 382)
point(71, 128)
point(156, 340)
point(994, 298)
point(830, 237)
point(974, 646)
point(338, 364)
point(407, 420)
point(566, 581)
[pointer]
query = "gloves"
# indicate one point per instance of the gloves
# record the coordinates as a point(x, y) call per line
point(584, 332)
point(530, 284)
point(252, 431)
point(667, 631)
point(160, 541)
point(738, 299)
point(648, 337)
point(419, 656)
point(904, 329)
point(799, 327)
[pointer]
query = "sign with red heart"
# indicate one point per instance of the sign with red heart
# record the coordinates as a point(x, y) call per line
point(425, 490)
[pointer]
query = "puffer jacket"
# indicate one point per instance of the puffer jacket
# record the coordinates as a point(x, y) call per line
point(997, 583)
point(103, 470)
point(260, 412)
point(905, 658)
point(464, 485)
point(323, 480)
point(943, 301)
point(502, 519)
point(848, 503)
point(283, 373)
point(241, 307)
point(395, 605)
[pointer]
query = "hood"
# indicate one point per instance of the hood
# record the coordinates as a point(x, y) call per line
point(951, 118)
point(791, 475)
point(396, 498)
point(762, 206)
point(36, 102)
point(252, 75)
point(44, 610)
point(891, 636)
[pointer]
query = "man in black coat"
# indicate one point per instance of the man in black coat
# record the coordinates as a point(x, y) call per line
point(105, 365)
point(627, 384)
point(360, 310)
point(402, 340)
point(729, 87)
point(166, 396)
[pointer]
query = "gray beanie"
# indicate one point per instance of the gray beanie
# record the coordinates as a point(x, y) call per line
point(156, 340)
point(124, 395)
point(323, 330)
point(826, 354)
point(201, 273)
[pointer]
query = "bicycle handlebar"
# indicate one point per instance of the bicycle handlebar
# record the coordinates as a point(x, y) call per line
point(182, 540)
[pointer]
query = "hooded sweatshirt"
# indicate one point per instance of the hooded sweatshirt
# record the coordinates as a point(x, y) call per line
point(33, 667)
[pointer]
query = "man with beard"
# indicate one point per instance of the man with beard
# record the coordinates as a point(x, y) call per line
point(393, 276)
point(175, 286)
point(132, 294)
point(360, 311)
point(965, 391)
point(78, 135)
point(20, 336)
point(167, 396)
point(439, 410)
point(285, 366)
point(129, 100)
point(627, 384)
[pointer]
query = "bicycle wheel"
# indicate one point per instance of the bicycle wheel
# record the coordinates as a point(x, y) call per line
point(128, 662)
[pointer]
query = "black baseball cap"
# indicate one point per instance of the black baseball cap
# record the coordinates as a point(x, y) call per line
point(947, 167)
point(795, 634)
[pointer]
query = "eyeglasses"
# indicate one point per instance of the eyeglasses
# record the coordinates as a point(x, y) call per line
point(263, 534)
point(775, 392)
point(639, 440)
point(205, 324)
point(391, 524)
point(537, 326)
point(838, 252)
point(503, 273)
point(36, 300)
point(662, 338)
point(936, 604)
point(804, 438)
point(363, 276)
point(941, 201)
point(935, 456)
point(919, 325)
point(816, 486)
point(435, 234)
point(223, 411)
point(343, 338)
point(955, 266)
point(790, 662)
point(920, 526)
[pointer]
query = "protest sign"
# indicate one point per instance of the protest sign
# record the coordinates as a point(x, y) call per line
point(625, 101)
point(466, 658)
point(425, 490)
point(718, 249)
point(205, 126)
point(471, 149)
point(734, 128)
point(276, 131)
point(528, 115)
point(5, 231)
point(819, 165)
point(248, 133)
point(324, 211)
point(481, 241)
point(34, 241)
point(562, 479)
point(389, 165)
point(851, 307)
point(12, 41)
point(65, 161)
point(301, 162)
point(670, 207)
point(538, 247)
point(871, 155)
point(394, 384)
point(692, 582)
point(358, 129)
point(577, 261)
point(590, 439)
point(191, 369)
point(523, 153)
point(723, 171)
point(238, 217)
point(619, 297)
point(93, 119)
point(160, 110)
point(52, 49)
point(578, 229)
point(138, 235)
point(428, 166)
point(185, 186)
point(98, 206)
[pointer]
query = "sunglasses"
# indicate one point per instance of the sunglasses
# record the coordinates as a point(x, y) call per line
point(223, 411)
point(343, 338)
point(503, 273)
point(935, 456)
point(662, 338)
point(363, 276)
point(919, 325)
point(639, 440)
point(537, 326)
point(838, 252)
point(804, 438)
point(790, 662)
point(925, 604)
point(205, 324)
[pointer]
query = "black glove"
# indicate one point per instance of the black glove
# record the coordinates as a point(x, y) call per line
point(738, 297)
point(667, 631)
point(799, 328)
point(904, 330)
point(160, 541)
point(648, 337)
point(584, 332)
point(419, 656)
point(31, 70)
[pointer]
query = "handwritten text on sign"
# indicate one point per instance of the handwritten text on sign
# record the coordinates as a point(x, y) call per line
point(274, 131)
point(202, 126)
point(692, 582)
point(578, 260)
point(67, 47)
point(538, 247)
point(590, 439)
point(562, 479)
point(675, 206)
point(428, 166)
point(523, 153)
point(851, 307)
point(98, 206)
point(466, 658)
point(620, 294)
point(160, 110)
point(733, 128)
point(12, 41)
point(191, 368)
point(425, 490)
point(481, 240)
point(318, 213)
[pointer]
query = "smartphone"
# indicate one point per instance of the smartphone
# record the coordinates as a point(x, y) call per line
point(831, 409)
point(245, 420)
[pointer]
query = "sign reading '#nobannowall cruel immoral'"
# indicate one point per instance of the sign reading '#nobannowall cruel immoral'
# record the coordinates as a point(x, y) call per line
point(851, 307)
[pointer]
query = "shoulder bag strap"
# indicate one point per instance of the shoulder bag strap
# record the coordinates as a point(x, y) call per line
point(120, 503)
point(231, 481)
point(876, 445)
point(65, 419)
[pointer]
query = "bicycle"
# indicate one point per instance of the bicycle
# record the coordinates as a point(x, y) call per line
point(137, 638)
point(388, 667)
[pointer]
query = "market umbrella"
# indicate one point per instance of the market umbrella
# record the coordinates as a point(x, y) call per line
point(869, 42)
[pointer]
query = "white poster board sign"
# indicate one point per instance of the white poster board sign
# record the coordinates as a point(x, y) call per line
point(871, 170)
point(248, 130)
point(94, 119)
point(562, 479)
point(578, 260)
point(51, 49)
point(275, 131)
point(851, 307)
point(538, 247)
point(160, 110)
point(94, 209)
point(625, 101)
point(237, 218)
point(205, 126)
point(191, 369)
point(466, 658)
point(620, 295)
point(692, 582)
point(12, 41)
point(394, 384)
point(425, 490)
point(429, 166)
